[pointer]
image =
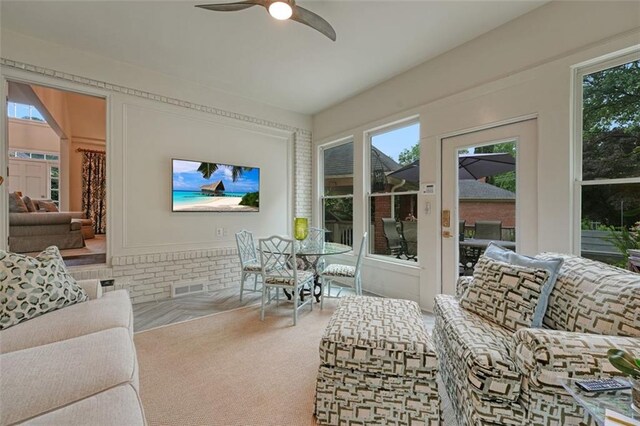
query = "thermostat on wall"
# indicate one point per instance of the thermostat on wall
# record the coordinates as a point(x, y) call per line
point(428, 188)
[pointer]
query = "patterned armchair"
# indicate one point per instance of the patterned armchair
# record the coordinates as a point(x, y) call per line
point(494, 376)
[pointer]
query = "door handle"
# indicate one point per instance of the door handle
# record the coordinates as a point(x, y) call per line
point(446, 218)
point(447, 234)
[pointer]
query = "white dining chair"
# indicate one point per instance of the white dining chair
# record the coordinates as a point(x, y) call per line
point(249, 263)
point(315, 238)
point(343, 275)
point(279, 271)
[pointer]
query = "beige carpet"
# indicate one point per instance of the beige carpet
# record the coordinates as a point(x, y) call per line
point(232, 369)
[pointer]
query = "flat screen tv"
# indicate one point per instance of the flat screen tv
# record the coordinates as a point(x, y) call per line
point(199, 186)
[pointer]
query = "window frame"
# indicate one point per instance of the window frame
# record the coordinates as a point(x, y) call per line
point(579, 72)
point(368, 194)
point(32, 117)
point(321, 179)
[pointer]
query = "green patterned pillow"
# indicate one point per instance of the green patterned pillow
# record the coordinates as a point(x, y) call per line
point(32, 286)
point(503, 293)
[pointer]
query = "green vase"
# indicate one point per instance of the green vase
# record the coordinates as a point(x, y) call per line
point(300, 228)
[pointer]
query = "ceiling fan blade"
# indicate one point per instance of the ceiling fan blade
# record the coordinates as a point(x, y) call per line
point(307, 17)
point(231, 7)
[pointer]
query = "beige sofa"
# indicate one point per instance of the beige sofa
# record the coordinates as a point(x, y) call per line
point(73, 366)
point(30, 232)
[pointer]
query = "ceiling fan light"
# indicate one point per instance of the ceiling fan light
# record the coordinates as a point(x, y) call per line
point(280, 10)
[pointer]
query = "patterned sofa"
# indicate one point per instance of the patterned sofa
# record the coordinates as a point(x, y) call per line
point(494, 376)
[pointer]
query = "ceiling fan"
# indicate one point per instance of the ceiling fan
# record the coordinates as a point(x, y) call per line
point(281, 10)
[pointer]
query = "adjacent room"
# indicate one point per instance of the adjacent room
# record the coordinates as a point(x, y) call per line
point(324, 212)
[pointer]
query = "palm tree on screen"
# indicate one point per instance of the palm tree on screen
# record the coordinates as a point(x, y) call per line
point(208, 169)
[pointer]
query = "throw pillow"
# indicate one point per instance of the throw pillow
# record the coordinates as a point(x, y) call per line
point(47, 205)
point(551, 265)
point(32, 286)
point(31, 207)
point(504, 294)
point(16, 205)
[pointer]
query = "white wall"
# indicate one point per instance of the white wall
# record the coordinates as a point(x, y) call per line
point(152, 136)
point(519, 69)
point(30, 135)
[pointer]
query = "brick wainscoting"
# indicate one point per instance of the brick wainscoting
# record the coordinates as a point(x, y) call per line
point(149, 277)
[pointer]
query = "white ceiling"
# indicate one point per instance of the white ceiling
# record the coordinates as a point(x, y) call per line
point(247, 53)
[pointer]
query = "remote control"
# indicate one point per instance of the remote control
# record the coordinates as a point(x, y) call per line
point(602, 385)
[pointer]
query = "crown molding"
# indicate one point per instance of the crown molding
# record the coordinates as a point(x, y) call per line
point(47, 72)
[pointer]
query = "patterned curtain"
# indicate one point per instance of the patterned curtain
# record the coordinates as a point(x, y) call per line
point(94, 189)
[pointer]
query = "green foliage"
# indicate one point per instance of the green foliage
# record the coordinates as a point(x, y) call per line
point(339, 208)
point(409, 155)
point(624, 240)
point(587, 225)
point(207, 169)
point(624, 362)
point(506, 180)
point(251, 199)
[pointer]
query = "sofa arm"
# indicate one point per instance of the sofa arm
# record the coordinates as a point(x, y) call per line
point(547, 356)
point(92, 287)
point(461, 285)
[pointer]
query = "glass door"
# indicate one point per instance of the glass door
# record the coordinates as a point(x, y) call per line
point(489, 193)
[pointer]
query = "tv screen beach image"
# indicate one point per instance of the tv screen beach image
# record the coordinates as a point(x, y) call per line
point(215, 187)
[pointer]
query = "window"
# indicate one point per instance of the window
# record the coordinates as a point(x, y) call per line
point(24, 112)
point(337, 192)
point(608, 166)
point(54, 170)
point(54, 184)
point(393, 192)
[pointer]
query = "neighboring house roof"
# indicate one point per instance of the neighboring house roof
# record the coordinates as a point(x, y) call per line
point(476, 190)
point(213, 187)
point(338, 161)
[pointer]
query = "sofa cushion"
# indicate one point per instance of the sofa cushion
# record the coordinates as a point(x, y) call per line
point(551, 265)
point(381, 336)
point(482, 349)
point(16, 205)
point(31, 207)
point(98, 410)
point(48, 206)
point(592, 297)
point(38, 380)
point(503, 293)
point(32, 286)
point(112, 310)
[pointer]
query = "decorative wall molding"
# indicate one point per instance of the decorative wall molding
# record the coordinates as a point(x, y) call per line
point(148, 95)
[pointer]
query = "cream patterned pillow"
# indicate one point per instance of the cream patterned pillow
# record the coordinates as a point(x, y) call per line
point(504, 294)
point(32, 286)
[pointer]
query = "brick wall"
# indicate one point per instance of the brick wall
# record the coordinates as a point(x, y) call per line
point(303, 173)
point(474, 210)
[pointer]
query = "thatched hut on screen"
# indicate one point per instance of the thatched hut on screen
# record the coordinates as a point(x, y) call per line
point(215, 189)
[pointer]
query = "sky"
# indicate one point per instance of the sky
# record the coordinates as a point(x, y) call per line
point(396, 141)
point(186, 177)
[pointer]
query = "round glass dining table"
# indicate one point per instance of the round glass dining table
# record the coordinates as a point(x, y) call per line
point(310, 253)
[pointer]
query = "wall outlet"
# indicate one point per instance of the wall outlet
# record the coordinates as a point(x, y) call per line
point(106, 283)
point(219, 232)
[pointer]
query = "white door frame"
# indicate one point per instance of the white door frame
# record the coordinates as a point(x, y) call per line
point(7, 75)
point(524, 131)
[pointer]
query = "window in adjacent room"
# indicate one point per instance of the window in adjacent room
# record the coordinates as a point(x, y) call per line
point(608, 152)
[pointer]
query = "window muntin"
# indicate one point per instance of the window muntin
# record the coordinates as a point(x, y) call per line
point(393, 183)
point(23, 112)
point(608, 182)
point(337, 192)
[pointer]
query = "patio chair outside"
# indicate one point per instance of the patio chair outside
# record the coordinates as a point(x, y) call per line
point(395, 243)
point(410, 236)
point(488, 230)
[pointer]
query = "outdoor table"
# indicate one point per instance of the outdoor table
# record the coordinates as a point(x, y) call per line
point(471, 249)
